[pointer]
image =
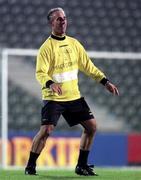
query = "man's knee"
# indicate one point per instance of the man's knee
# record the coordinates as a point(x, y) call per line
point(91, 131)
point(46, 130)
point(90, 127)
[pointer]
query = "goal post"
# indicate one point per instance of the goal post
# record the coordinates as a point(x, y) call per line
point(4, 94)
point(104, 61)
point(4, 109)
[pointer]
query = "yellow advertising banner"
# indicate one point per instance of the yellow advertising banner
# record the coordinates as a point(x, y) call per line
point(58, 152)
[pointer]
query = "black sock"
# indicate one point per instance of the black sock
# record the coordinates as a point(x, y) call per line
point(32, 159)
point(83, 157)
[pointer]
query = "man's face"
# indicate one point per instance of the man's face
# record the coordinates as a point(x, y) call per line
point(59, 23)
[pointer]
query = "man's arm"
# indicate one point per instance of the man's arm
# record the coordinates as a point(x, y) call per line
point(42, 67)
point(87, 66)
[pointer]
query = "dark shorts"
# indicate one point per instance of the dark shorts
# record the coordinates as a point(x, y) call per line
point(74, 112)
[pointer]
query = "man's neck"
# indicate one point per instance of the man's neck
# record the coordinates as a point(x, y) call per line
point(58, 37)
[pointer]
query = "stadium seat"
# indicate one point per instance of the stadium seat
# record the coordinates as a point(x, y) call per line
point(112, 25)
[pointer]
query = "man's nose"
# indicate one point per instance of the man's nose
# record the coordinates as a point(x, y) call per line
point(62, 20)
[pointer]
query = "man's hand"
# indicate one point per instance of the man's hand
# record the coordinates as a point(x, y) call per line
point(56, 87)
point(112, 88)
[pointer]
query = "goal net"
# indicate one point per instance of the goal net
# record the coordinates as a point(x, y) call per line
point(21, 104)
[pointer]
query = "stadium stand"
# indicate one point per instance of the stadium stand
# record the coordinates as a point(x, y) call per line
point(101, 25)
point(105, 25)
point(22, 109)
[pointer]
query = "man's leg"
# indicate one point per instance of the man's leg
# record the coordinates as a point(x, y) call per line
point(85, 144)
point(88, 134)
point(37, 146)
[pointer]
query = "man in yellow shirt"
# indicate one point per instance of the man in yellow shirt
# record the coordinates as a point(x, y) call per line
point(58, 61)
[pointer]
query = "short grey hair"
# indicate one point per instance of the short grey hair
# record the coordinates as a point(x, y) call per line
point(51, 11)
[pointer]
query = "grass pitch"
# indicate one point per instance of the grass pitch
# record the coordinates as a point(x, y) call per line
point(104, 174)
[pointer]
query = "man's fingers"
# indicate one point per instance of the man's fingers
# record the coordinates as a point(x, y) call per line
point(112, 88)
point(59, 90)
point(56, 88)
point(116, 91)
